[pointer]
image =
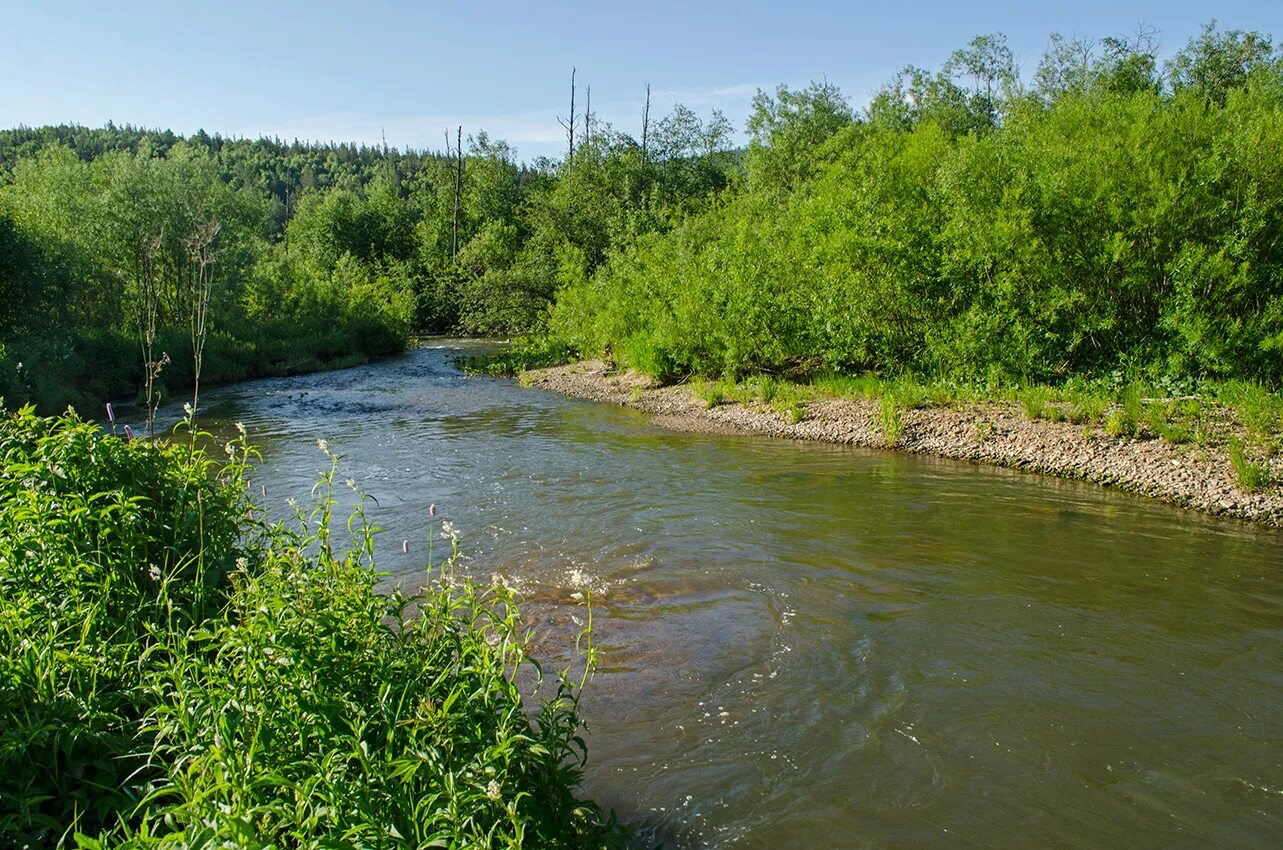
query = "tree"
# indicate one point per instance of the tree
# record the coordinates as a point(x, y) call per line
point(1215, 62)
point(787, 128)
point(990, 64)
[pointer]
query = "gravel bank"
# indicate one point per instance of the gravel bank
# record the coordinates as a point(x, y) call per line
point(1198, 477)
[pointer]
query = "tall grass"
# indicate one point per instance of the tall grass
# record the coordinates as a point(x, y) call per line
point(178, 673)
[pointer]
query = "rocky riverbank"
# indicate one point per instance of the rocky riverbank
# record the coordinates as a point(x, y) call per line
point(1193, 476)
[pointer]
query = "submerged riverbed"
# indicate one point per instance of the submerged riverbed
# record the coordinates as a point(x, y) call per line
point(808, 645)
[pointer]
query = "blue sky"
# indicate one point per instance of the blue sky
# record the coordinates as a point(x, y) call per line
point(350, 71)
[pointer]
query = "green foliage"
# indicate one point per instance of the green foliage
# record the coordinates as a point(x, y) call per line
point(966, 230)
point(106, 549)
point(1034, 401)
point(177, 673)
point(890, 419)
point(1250, 474)
point(524, 353)
point(787, 128)
point(1215, 63)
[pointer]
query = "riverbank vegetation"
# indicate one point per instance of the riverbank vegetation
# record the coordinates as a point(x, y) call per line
point(317, 255)
point(1107, 217)
point(178, 671)
point(1110, 230)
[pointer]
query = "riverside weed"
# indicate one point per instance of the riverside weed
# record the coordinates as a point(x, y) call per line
point(1034, 402)
point(185, 675)
point(890, 419)
point(1251, 476)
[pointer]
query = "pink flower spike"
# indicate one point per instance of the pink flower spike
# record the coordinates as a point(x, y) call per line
point(432, 510)
point(405, 547)
point(129, 433)
point(111, 414)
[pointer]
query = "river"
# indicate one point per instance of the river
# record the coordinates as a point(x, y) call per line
point(815, 646)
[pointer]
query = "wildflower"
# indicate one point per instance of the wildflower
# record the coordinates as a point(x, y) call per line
point(240, 426)
point(263, 490)
point(323, 445)
point(432, 509)
point(351, 484)
point(242, 562)
point(111, 414)
point(492, 790)
point(449, 532)
point(129, 433)
point(230, 449)
point(405, 547)
point(154, 572)
point(187, 408)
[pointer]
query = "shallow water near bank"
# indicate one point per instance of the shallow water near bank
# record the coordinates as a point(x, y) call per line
point(807, 645)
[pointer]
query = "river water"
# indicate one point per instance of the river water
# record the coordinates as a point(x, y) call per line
point(817, 646)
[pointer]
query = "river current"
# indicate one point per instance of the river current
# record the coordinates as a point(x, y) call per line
point(816, 646)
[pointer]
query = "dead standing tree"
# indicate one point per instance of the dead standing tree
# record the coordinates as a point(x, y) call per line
point(645, 123)
point(458, 184)
point(569, 123)
point(457, 156)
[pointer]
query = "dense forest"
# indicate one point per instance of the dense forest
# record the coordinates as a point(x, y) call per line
point(1115, 216)
point(314, 255)
point(1109, 212)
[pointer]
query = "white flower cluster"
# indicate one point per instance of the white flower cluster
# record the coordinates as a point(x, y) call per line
point(449, 532)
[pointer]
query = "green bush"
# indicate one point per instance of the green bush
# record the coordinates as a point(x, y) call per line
point(177, 673)
point(1082, 235)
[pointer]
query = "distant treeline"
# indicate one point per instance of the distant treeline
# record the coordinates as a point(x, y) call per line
point(1115, 215)
point(324, 254)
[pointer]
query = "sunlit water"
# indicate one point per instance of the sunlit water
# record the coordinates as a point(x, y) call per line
point(815, 646)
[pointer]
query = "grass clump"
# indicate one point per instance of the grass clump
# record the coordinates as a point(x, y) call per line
point(177, 673)
point(1034, 401)
point(1251, 476)
point(712, 392)
point(1260, 410)
point(890, 419)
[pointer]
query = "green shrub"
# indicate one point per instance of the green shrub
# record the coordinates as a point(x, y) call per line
point(176, 673)
point(107, 549)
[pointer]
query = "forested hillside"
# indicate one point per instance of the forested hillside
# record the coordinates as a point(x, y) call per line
point(1111, 215)
point(319, 255)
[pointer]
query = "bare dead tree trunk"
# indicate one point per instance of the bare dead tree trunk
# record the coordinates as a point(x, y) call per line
point(569, 124)
point(588, 117)
point(645, 123)
point(458, 185)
